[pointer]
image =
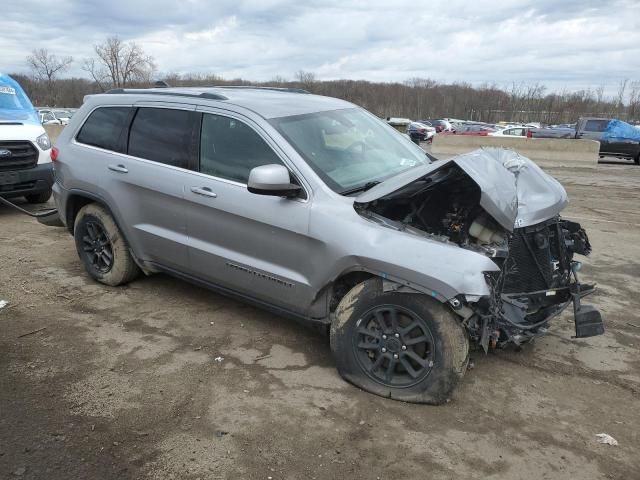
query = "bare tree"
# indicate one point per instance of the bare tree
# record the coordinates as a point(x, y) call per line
point(119, 64)
point(306, 79)
point(46, 67)
point(622, 87)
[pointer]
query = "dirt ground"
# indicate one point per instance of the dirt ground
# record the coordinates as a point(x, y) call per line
point(164, 380)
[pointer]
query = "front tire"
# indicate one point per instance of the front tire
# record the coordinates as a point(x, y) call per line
point(102, 247)
point(42, 197)
point(404, 346)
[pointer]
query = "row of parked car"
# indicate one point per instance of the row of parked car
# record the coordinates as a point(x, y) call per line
point(624, 142)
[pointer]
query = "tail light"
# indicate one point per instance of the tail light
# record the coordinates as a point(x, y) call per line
point(54, 154)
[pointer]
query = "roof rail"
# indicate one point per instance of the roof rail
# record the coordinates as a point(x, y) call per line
point(254, 87)
point(209, 95)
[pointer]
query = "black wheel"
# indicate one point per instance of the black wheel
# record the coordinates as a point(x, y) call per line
point(404, 346)
point(102, 247)
point(637, 159)
point(42, 197)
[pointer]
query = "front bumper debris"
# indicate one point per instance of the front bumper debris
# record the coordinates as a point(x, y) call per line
point(538, 281)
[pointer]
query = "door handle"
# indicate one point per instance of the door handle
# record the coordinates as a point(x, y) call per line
point(204, 191)
point(118, 168)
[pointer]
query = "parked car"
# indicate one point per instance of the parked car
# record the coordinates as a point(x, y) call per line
point(516, 132)
point(316, 209)
point(627, 146)
point(439, 125)
point(471, 129)
point(419, 132)
point(25, 164)
point(553, 132)
point(54, 116)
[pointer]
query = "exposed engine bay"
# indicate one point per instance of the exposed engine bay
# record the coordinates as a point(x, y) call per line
point(538, 275)
point(445, 204)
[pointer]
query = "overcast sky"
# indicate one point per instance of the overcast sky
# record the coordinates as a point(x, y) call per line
point(569, 44)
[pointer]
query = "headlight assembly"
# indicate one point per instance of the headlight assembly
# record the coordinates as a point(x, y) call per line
point(43, 141)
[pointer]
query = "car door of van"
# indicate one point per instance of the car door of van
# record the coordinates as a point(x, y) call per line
point(255, 245)
point(146, 185)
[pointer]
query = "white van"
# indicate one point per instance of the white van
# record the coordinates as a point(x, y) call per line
point(25, 162)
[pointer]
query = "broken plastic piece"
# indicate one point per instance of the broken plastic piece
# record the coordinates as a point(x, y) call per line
point(606, 439)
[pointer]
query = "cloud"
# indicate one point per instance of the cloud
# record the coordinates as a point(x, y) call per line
point(571, 44)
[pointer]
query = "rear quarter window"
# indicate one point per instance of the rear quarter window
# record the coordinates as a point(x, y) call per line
point(104, 128)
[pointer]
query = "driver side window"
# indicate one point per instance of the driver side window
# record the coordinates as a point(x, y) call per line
point(230, 149)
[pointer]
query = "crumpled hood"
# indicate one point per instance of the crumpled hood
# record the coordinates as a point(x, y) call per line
point(515, 191)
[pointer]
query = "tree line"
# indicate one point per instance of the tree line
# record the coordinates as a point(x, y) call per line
point(119, 64)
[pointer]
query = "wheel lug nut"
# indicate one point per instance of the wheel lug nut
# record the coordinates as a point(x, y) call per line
point(383, 350)
point(404, 347)
point(395, 355)
point(384, 337)
point(397, 335)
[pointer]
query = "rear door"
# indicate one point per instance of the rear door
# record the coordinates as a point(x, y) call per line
point(147, 184)
point(256, 245)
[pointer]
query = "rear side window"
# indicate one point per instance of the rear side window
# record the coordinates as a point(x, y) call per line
point(596, 125)
point(162, 135)
point(104, 128)
point(230, 149)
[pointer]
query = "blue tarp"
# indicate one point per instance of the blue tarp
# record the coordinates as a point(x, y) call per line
point(15, 106)
point(619, 130)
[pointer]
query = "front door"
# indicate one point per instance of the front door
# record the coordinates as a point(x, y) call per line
point(255, 245)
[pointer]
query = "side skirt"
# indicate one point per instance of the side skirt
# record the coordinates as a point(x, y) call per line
point(317, 324)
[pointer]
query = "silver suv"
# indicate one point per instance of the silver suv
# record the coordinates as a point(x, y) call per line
point(316, 209)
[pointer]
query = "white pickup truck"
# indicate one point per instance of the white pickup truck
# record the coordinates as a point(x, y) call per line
point(25, 163)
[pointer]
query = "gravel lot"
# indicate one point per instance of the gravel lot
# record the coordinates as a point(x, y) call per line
point(162, 380)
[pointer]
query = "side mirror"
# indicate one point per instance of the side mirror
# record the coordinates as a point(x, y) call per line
point(272, 180)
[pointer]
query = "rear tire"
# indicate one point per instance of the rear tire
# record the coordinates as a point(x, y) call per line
point(42, 197)
point(404, 346)
point(102, 247)
point(637, 159)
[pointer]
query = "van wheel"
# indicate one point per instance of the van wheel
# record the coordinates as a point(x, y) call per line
point(102, 247)
point(637, 159)
point(404, 346)
point(42, 197)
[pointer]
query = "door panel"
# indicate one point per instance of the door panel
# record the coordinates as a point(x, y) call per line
point(150, 202)
point(149, 192)
point(254, 244)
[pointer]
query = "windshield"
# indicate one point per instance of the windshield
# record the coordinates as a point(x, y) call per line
point(349, 149)
point(14, 103)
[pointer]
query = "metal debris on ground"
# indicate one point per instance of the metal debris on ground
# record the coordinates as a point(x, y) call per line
point(219, 359)
point(606, 439)
point(3, 303)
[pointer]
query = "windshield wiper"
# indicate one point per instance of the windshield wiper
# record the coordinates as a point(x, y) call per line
point(360, 188)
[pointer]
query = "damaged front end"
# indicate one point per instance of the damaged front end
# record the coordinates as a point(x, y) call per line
point(503, 206)
point(538, 279)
